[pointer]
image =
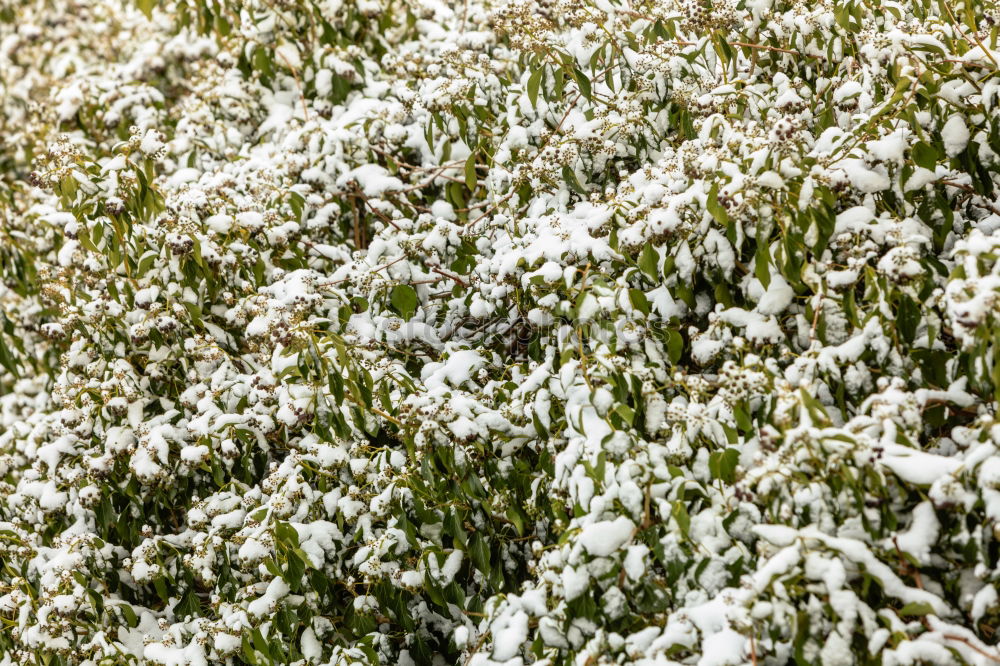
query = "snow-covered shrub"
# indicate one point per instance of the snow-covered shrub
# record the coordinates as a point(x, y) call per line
point(399, 331)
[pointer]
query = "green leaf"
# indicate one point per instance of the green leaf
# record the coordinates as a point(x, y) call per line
point(649, 262)
point(916, 609)
point(479, 553)
point(273, 567)
point(7, 359)
point(514, 516)
point(583, 82)
point(146, 262)
point(297, 203)
point(295, 569)
point(87, 240)
point(130, 617)
point(534, 81)
point(626, 412)
point(453, 527)
point(717, 210)
point(743, 420)
point(197, 253)
point(762, 264)
point(925, 155)
point(723, 49)
point(907, 318)
point(259, 643)
point(161, 588)
point(456, 194)
point(471, 180)
point(639, 301)
point(675, 345)
point(222, 26)
point(248, 652)
point(194, 311)
point(146, 6)
point(539, 426)
point(680, 514)
point(570, 177)
point(286, 534)
point(404, 300)
point(722, 464)
point(842, 14)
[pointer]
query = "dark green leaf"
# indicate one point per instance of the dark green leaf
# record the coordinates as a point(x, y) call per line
point(404, 300)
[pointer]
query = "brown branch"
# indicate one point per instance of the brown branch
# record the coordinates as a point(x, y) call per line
point(449, 275)
point(970, 644)
point(358, 242)
point(298, 83)
point(971, 190)
point(358, 194)
point(384, 266)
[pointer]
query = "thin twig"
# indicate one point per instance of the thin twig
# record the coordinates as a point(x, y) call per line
point(449, 275)
point(971, 190)
point(975, 37)
point(966, 641)
point(357, 223)
point(298, 83)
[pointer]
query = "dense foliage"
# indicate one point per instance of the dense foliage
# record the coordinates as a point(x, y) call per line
point(486, 332)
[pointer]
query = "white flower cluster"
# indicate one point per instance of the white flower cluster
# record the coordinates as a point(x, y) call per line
point(408, 332)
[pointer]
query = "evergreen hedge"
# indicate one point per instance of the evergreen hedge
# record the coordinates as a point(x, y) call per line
point(484, 332)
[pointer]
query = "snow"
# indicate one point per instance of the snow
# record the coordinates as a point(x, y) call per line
point(847, 90)
point(863, 178)
point(267, 604)
point(779, 535)
point(151, 142)
point(191, 655)
point(778, 296)
point(509, 633)
point(985, 599)
point(920, 178)
point(854, 219)
point(635, 561)
point(837, 651)
point(725, 649)
point(451, 566)
point(455, 371)
point(604, 537)
point(955, 135)
point(922, 534)
point(373, 180)
point(890, 148)
point(575, 582)
point(918, 467)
